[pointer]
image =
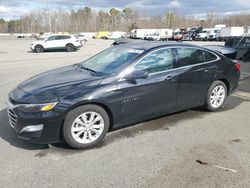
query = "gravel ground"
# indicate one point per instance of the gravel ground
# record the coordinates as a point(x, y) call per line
point(156, 153)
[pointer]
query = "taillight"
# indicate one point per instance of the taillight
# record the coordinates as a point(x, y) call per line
point(237, 66)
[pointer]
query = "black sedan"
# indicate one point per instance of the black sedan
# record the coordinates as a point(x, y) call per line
point(120, 86)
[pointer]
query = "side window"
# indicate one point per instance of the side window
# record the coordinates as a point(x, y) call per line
point(157, 61)
point(61, 37)
point(209, 56)
point(189, 56)
point(57, 37)
point(51, 38)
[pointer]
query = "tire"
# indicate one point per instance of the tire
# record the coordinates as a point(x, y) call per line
point(80, 132)
point(70, 48)
point(39, 49)
point(216, 96)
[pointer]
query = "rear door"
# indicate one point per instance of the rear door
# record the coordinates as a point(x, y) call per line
point(198, 72)
point(61, 41)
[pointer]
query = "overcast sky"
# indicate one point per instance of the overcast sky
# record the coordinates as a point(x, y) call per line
point(10, 9)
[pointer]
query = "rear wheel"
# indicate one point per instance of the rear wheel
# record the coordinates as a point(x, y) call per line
point(216, 96)
point(70, 48)
point(39, 49)
point(85, 126)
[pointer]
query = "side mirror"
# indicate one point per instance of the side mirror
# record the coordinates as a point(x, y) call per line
point(136, 74)
point(45, 40)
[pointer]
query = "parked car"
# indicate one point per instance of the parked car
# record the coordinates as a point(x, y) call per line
point(214, 35)
point(44, 36)
point(120, 86)
point(66, 42)
point(203, 35)
point(101, 35)
point(115, 35)
point(178, 35)
point(192, 32)
point(241, 44)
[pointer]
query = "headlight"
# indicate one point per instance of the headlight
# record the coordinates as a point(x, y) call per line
point(37, 107)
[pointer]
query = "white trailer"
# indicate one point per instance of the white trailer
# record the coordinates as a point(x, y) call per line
point(219, 26)
point(141, 33)
point(115, 35)
point(231, 32)
point(165, 34)
point(156, 34)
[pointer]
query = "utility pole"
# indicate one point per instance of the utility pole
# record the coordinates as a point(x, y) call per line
point(49, 17)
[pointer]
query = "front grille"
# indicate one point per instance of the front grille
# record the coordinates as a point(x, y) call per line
point(11, 113)
point(12, 117)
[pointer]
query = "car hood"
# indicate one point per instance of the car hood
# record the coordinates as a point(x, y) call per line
point(37, 42)
point(53, 84)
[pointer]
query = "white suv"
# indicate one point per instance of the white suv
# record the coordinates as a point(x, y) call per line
point(67, 42)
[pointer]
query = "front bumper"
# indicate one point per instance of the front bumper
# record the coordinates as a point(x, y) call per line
point(78, 46)
point(32, 47)
point(36, 127)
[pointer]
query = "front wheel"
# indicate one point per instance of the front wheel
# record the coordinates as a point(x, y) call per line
point(70, 48)
point(85, 126)
point(216, 96)
point(39, 49)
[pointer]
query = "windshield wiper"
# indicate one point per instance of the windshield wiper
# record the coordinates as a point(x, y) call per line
point(88, 69)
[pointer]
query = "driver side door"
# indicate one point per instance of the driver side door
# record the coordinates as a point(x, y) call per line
point(149, 96)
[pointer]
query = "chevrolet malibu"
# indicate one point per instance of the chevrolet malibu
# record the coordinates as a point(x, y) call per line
point(120, 86)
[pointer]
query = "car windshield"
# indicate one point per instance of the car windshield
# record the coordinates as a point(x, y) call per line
point(110, 60)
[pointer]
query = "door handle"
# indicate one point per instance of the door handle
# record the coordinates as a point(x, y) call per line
point(206, 71)
point(172, 78)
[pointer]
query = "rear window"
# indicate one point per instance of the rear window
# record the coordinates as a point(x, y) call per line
point(62, 37)
point(189, 56)
point(209, 56)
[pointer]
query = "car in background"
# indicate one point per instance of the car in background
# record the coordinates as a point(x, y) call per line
point(203, 35)
point(214, 35)
point(44, 36)
point(83, 39)
point(101, 35)
point(192, 33)
point(178, 35)
point(56, 42)
point(123, 85)
point(241, 44)
point(115, 35)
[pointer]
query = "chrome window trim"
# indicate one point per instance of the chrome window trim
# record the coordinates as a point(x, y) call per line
point(123, 73)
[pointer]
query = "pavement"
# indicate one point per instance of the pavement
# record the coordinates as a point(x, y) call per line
point(191, 148)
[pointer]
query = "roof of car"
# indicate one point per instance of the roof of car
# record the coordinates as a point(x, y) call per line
point(146, 45)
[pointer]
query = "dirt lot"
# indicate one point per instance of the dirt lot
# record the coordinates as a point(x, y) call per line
point(157, 153)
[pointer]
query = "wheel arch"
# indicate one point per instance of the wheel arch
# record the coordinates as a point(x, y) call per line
point(98, 103)
point(39, 45)
point(69, 44)
point(226, 82)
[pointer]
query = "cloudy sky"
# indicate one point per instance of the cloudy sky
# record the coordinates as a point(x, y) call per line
point(10, 9)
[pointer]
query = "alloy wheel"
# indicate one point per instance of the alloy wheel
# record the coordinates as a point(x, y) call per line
point(217, 96)
point(87, 127)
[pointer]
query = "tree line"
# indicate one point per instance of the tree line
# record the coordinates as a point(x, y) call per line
point(87, 20)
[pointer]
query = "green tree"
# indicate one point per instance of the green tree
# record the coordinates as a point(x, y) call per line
point(103, 20)
point(114, 17)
